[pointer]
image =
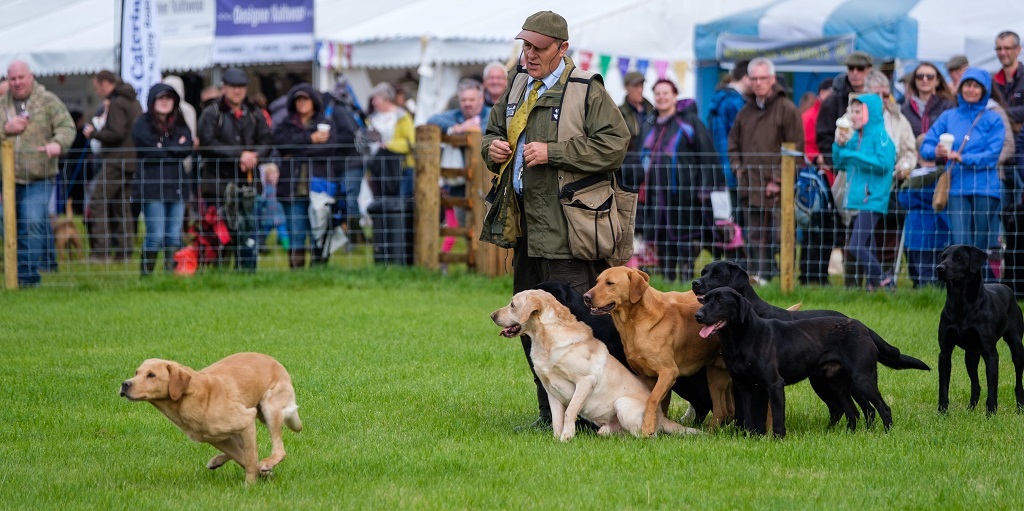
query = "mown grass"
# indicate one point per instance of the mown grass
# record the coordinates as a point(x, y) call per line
point(409, 398)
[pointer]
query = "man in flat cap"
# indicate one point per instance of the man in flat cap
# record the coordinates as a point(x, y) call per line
point(233, 138)
point(555, 137)
point(955, 66)
point(858, 66)
point(635, 108)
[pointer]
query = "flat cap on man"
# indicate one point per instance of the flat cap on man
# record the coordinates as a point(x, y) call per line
point(956, 62)
point(633, 78)
point(543, 28)
point(236, 77)
point(859, 58)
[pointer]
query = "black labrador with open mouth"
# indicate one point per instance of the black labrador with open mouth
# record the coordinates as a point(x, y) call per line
point(693, 388)
point(765, 355)
point(975, 316)
point(730, 274)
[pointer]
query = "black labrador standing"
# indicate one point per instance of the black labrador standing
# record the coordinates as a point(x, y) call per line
point(975, 316)
point(729, 274)
point(765, 355)
point(693, 388)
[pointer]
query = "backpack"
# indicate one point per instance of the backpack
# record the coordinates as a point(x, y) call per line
point(812, 197)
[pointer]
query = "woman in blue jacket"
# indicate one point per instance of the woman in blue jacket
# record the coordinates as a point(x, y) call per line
point(975, 188)
point(868, 156)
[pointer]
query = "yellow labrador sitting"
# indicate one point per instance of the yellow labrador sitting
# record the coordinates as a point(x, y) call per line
point(220, 404)
point(577, 371)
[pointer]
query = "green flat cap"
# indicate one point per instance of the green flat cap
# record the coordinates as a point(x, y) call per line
point(543, 28)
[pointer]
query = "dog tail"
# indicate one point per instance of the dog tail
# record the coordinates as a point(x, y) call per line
point(291, 418)
point(890, 356)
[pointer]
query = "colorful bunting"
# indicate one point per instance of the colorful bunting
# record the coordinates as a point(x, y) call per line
point(661, 66)
point(605, 60)
point(585, 58)
point(623, 65)
point(641, 66)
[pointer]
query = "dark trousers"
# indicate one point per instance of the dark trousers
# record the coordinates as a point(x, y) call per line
point(113, 231)
point(816, 248)
point(528, 271)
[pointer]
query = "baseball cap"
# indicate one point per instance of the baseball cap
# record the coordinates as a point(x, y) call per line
point(543, 28)
point(235, 76)
point(633, 78)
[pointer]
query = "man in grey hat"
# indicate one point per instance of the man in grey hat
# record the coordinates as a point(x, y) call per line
point(635, 108)
point(233, 139)
point(955, 66)
point(554, 132)
point(858, 66)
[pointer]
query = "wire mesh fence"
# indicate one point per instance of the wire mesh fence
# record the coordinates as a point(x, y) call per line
point(112, 217)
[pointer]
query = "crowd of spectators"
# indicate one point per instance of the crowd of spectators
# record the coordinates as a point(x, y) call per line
point(882, 159)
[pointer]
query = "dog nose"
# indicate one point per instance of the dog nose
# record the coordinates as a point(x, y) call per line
point(494, 315)
point(699, 316)
point(587, 298)
point(125, 385)
point(695, 285)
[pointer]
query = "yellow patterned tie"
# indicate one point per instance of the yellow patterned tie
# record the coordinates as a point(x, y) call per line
point(518, 122)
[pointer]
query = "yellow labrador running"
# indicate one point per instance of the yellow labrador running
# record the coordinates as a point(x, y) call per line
point(220, 404)
point(581, 378)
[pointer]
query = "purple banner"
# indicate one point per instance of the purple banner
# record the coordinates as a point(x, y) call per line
point(264, 17)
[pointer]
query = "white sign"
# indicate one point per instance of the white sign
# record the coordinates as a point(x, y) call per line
point(140, 47)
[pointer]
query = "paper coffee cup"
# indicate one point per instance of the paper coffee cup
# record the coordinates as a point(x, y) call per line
point(946, 140)
point(323, 127)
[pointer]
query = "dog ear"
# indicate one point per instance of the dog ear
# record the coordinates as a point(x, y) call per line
point(638, 284)
point(529, 307)
point(740, 277)
point(742, 307)
point(978, 258)
point(179, 380)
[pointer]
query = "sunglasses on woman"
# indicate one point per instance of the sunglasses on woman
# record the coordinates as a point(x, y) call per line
point(925, 76)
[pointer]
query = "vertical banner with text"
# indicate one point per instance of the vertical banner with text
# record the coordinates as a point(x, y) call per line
point(140, 46)
point(252, 31)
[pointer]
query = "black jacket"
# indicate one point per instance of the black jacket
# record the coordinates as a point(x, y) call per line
point(222, 138)
point(922, 121)
point(160, 176)
point(300, 157)
point(116, 135)
point(1013, 94)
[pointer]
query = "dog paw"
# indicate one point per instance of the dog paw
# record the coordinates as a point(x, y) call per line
point(216, 461)
point(567, 435)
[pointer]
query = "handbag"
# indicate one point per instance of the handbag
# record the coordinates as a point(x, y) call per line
point(941, 197)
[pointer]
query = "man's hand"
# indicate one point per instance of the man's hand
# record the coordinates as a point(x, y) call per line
point(499, 151)
point(52, 149)
point(471, 124)
point(88, 130)
point(247, 162)
point(16, 125)
point(535, 153)
point(772, 189)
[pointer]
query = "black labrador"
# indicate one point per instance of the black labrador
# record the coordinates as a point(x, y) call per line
point(730, 274)
point(765, 355)
point(975, 316)
point(693, 388)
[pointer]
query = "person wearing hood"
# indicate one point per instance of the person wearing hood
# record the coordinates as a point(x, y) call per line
point(188, 112)
point(868, 156)
point(163, 141)
point(306, 148)
point(727, 102)
point(768, 120)
point(677, 155)
point(858, 65)
point(113, 230)
point(972, 160)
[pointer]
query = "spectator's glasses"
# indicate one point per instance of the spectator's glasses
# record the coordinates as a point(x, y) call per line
point(925, 76)
point(856, 68)
point(1006, 48)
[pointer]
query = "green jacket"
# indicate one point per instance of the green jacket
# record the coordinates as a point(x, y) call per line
point(49, 121)
point(597, 143)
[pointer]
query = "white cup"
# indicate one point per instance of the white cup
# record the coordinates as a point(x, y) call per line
point(946, 140)
point(323, 127)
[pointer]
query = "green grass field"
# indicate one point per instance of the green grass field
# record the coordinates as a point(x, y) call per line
point(409, 397)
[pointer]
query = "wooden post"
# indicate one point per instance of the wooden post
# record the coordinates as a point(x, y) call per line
point(474, 167)
point(427, 196)
point(491, 260)
point(787, 249)
point(10, 220)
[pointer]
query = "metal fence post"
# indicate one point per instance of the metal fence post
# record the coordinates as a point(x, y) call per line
point(10, 220)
